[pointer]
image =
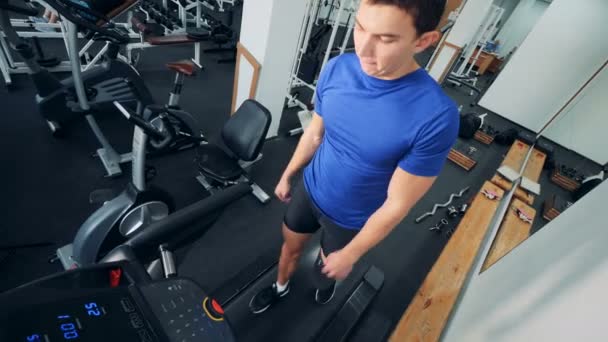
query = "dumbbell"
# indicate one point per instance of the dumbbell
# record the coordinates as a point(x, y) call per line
point(437, 227)
point(454, 211)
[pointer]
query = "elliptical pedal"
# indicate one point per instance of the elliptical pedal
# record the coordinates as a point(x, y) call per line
point(101, 196)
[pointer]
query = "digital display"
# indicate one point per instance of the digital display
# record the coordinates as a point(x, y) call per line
point(111, 315)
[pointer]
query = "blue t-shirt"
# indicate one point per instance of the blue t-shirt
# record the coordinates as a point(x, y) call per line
point(373, 126)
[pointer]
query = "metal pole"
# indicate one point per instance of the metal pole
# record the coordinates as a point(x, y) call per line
point(182, 10)
point(64, 33)
point(5, 69)
point(72, 42)
point(297, 56)
point(138, 165)
point(334, 31)
point(197, 46)
point(349, 30)
point(110, 159)
point(7, 52)
point(86, 47)
point(97, 57)
point(311, 20)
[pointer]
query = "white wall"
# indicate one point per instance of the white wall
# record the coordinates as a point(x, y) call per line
point(509, 6)
point(520, 23)
point(469, 21)
point(552, 287)
point(246, 73)
point(254, 27)
point(583, 125)
point(560, 54)
point(270, 32)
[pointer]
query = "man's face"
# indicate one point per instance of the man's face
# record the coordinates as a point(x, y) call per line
point(386, 39)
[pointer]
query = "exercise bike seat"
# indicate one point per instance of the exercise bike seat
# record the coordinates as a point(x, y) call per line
point(185, 67)
point(243, 135)
point(215, 163)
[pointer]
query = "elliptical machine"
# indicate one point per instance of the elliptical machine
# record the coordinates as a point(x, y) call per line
point(138, 205)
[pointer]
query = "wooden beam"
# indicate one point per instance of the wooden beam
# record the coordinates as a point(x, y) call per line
point(535, 165)
point(516, 155)
point(514, 160)
point(512, 232)
point(506, 185)
point(429, 310)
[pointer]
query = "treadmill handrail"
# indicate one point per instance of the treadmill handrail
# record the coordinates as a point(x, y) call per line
point(146, 242)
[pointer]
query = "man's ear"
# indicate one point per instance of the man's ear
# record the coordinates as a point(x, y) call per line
point(426, 40)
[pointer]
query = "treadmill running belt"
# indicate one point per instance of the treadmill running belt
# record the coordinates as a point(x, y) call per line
point(296, 317)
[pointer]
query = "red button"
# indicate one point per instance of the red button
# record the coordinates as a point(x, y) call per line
point(216, 307)
point(115, 276)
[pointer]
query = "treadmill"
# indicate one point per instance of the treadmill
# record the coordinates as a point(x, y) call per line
point(297, 317)
point(118, 299)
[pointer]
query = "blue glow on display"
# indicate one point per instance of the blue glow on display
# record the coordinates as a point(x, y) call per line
point(70, 335)
point(33, 338)
point(68, 329)
point(92, 309)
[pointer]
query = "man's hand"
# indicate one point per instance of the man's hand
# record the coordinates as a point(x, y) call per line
point(338, 265)
point(283, 190)
point(309, 142)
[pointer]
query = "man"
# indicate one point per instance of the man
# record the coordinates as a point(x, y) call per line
point(380, 134)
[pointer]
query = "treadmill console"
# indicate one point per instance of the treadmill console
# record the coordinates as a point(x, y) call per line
point(106, 315)
point(185, 313)
point(111, 302)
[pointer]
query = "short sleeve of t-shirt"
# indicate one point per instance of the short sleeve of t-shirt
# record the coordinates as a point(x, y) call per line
point(427, 157)
point(322, 83)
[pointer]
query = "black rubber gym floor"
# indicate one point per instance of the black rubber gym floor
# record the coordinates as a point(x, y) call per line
point(47, 181)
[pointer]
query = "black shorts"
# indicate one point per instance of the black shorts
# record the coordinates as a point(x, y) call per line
point(304, 217)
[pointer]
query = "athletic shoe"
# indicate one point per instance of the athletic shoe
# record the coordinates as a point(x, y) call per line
point(326, 295)
point(266, 298)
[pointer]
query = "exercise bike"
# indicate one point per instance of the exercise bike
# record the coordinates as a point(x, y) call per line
point(61, 102)
point(88, 92)
point(138, 205)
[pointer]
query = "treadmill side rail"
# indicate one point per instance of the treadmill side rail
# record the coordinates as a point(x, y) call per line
point(354, 307)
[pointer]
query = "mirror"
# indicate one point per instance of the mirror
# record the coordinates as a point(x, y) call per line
point(483, 51)
point(532, 88)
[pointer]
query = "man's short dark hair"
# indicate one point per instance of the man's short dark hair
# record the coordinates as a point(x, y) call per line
point(426, 13)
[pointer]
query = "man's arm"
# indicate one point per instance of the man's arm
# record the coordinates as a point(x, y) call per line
point(405, 189)
point(309, 142)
